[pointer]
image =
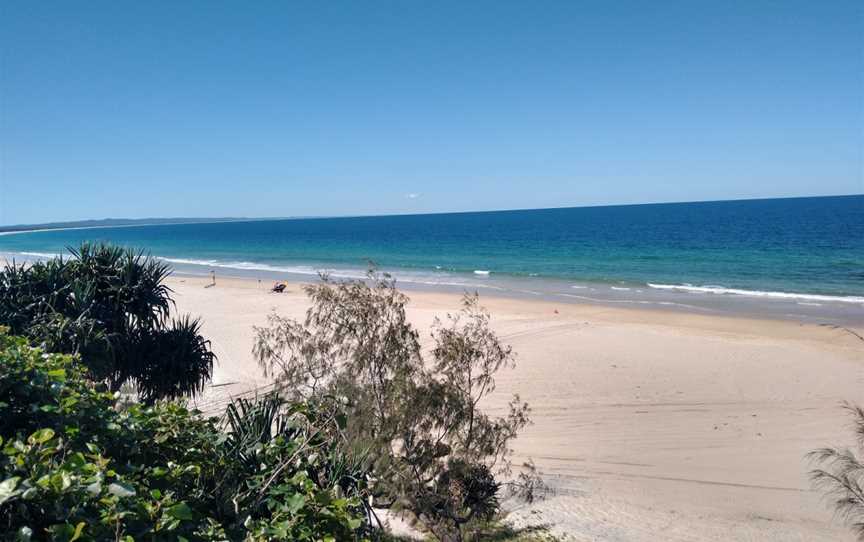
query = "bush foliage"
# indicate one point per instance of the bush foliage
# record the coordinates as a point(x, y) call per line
point(74, 467)
point(110, 305)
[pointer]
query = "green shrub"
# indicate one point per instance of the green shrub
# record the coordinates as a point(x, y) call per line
point(74, 467)
point(111, 306)
point(434, 453)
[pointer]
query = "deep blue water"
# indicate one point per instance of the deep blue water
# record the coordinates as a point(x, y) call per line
point(800, 245)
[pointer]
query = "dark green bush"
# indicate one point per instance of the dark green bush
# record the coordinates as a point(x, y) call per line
point(110, 305)
point(74, 467)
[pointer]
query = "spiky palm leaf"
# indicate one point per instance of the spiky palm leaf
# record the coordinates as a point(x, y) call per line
point(110, 305)
point(170, 362)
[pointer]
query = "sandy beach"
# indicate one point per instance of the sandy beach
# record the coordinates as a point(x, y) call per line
point(647, 425)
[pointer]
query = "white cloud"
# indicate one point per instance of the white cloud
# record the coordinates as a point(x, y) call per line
point(412, 195)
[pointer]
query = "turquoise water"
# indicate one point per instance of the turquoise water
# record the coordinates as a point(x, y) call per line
point(811, 247)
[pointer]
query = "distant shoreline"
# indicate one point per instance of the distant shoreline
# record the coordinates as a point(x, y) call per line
point(126, 222)
point(122, 223)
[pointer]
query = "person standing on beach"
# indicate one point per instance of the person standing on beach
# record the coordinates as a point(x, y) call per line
point(212, 278)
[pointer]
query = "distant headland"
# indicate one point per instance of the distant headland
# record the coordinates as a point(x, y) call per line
point(115, 222)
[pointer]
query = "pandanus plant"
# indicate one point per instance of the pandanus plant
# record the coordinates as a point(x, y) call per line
point(110, 305)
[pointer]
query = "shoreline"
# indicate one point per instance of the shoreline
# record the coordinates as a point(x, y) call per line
point(537, 306)
point(666, 300)
point(786, 306)
point(845, 310)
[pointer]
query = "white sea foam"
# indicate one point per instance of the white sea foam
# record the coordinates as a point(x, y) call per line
point(482, 272)
point(40, 254)
point(620, 288)
point(246, 266)
point(529, 292)
point(757, 293)
point(422, 280)
point(337, 273)
point(255, 266)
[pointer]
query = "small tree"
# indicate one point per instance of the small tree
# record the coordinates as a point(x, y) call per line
point(842, 478)
point(110, 305)
point(433, 452)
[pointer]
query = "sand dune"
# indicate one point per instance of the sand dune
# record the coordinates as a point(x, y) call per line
point(648, 425)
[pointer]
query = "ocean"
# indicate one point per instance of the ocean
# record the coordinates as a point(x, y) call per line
point(795, 257)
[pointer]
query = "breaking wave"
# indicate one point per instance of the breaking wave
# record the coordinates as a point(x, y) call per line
point(719, 290)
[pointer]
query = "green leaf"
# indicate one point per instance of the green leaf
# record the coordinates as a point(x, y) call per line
point(121, 490)
point(78, 530)
point(341, 421)
point(295, 502)
point(7, 488)
point(41, 436)
point(65, 480)
point(76, 460)
point(181, 511)
point(58, 374)
point(24, 534)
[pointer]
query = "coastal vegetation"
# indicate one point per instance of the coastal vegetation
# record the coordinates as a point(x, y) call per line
point(111, 306)
point(842, 475)
point(76, 466)
point(434, 453)
point(359, 420)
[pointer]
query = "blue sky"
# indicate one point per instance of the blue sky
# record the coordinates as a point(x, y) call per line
point(139, 109)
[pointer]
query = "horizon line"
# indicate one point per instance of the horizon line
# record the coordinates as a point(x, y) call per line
point(166, 221)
